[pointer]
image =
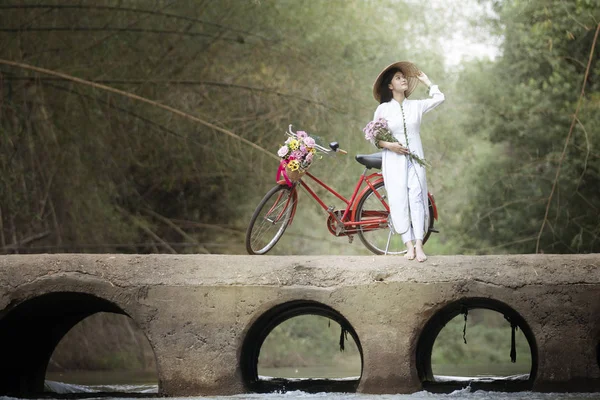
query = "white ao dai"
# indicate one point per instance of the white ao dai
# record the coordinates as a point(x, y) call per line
point(395, 167)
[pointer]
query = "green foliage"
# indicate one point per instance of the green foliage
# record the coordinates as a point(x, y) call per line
point(487, 349)
point(313, 341)
point(118, 361)
point(103, 342)
point(525, 102)
point(308, 340)
point(88, 170)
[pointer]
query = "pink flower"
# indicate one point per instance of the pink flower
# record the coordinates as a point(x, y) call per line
point(309, 158)
point(374, 128)
point(282, 152)
point(301, 134)
point(309, 142)
point(297, 154)
point(370, 135)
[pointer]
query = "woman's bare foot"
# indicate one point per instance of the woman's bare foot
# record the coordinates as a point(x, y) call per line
point(410, 251)
point(420, 254)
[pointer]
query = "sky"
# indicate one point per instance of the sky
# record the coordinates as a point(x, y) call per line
point(469, 40)
point(459, 48)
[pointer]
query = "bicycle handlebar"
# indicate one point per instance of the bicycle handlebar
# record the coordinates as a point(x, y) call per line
point(320, 148)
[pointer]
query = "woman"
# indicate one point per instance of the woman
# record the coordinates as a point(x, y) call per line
point(405, 181)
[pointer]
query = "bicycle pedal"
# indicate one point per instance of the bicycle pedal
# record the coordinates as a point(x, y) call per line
point(350, 238)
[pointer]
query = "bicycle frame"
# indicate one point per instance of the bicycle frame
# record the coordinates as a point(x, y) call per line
point(348, 221)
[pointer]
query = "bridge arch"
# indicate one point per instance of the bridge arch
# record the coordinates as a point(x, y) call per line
point(31, 329)
point(262, 327)
point(598, 354)
point(439, 320)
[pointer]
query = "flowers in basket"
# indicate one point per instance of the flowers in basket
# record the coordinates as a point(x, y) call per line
point(297, 155)
point(378, 130)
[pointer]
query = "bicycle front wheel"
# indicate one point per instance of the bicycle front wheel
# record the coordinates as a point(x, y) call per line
point(379, 239)
point(270, 219)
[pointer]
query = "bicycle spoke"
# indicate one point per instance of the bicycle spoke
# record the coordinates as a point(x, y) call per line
point(268, 223)
point(377, 237)
point(270, 220)
point(387, 246)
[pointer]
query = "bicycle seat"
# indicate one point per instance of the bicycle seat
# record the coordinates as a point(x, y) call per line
point(370, 160)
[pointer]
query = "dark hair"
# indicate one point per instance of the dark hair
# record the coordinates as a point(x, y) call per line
point(385, 93)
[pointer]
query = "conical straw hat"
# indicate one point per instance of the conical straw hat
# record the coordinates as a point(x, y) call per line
point(409, 70)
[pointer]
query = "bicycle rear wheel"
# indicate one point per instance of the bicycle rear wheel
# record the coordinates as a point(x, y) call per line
point(270, 219)
point(380, 240)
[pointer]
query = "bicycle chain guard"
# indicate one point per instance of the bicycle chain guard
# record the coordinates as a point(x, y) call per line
point(337, 228)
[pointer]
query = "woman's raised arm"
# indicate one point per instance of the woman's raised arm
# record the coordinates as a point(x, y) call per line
point(437, 97)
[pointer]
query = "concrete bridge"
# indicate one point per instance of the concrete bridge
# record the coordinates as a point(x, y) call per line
point(207, 316)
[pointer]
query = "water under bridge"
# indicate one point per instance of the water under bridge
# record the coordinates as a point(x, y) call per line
point(206, 316)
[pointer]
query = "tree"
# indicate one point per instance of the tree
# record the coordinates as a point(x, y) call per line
point(526, 108)
point(88, 170)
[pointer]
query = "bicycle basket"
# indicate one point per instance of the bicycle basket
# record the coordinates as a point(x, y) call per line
point(296, 175)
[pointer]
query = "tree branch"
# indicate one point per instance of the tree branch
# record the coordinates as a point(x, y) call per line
point(143, 227)
point(177, 229)
point(187, 82)
point(139, 98)
point(117, 30)
point(135, 10)
point(24, 242)
point(562, 156)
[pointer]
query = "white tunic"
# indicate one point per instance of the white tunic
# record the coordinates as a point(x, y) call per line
point(395, 166)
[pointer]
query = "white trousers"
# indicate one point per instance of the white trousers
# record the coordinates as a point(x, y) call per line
point(416, 230)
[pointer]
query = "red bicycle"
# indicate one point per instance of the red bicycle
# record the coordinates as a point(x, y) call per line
point(365, 214)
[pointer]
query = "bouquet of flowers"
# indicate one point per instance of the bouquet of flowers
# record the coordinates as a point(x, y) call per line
point(378, 130)
point(297, 155)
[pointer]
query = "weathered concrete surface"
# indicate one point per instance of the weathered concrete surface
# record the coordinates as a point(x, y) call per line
point(197, 310)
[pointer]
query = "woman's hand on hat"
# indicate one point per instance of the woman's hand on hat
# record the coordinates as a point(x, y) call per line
point(394, 146)
point(423, 78)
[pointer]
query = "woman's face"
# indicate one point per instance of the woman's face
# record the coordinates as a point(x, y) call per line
point(399, 83)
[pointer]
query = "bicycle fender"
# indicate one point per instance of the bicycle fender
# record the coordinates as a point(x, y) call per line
point(432, 201)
